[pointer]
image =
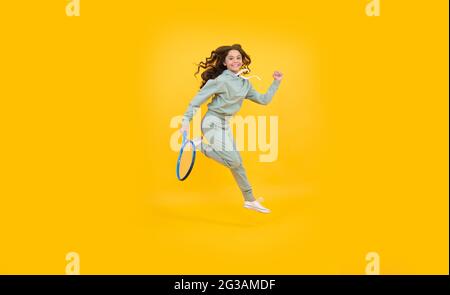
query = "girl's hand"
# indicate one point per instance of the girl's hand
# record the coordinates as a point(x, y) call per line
point(184, 128)
point(277, 75)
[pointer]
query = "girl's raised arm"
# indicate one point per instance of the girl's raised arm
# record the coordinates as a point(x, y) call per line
point(265, 98)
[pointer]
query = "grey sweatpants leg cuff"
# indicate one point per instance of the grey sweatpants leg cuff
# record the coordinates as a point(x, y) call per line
point(248, 196)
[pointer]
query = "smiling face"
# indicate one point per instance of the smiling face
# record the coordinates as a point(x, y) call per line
point(233, 60)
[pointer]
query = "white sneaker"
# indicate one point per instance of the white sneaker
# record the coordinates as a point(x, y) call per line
point(255, 205)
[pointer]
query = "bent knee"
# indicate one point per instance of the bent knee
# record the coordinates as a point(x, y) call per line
point(234, 163)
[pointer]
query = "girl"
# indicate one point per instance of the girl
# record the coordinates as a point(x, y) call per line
point(222, 79)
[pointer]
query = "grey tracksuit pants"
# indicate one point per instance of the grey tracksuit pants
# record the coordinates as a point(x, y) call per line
point(221, 147)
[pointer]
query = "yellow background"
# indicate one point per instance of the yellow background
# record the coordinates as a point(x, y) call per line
point(363, 138)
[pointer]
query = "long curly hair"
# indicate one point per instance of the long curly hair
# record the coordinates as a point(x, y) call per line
point(214, 64)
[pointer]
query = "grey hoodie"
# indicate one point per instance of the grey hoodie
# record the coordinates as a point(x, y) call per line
point(229, 92)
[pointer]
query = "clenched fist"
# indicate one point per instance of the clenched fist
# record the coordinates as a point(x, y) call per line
point(277, 75)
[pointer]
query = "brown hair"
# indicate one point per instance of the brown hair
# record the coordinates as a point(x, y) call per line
point(214, 64)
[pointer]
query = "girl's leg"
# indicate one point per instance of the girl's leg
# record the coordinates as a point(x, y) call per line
point(222, 148)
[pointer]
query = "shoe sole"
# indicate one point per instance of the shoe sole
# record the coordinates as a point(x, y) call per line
point(256, 209)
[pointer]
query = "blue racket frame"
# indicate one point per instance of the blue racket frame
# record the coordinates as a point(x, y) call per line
point(185, 142)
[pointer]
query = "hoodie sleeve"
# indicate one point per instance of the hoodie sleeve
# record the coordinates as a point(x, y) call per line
point(265, 98)
point(211, 87)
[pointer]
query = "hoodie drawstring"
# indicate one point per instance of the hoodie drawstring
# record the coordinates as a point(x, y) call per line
point(246, 78)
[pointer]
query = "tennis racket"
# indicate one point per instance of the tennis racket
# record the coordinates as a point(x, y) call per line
point(186, 158)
